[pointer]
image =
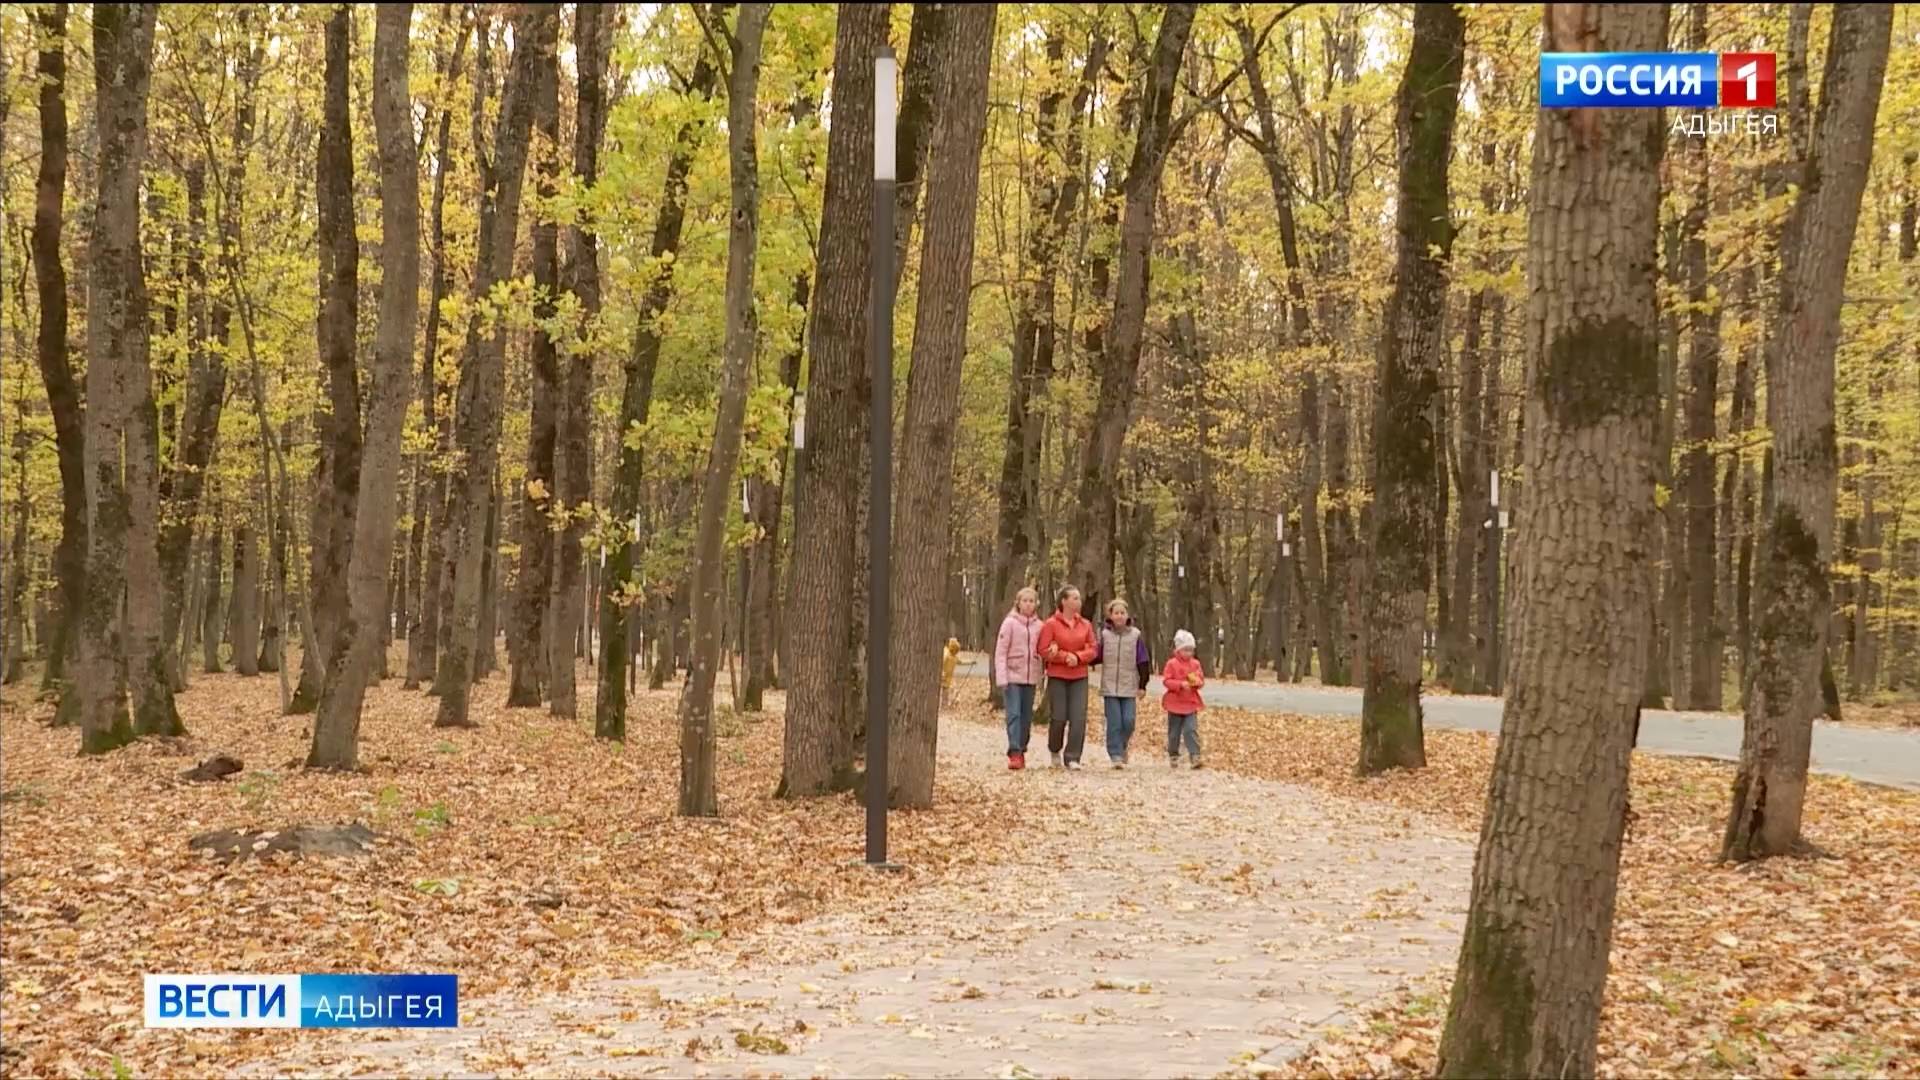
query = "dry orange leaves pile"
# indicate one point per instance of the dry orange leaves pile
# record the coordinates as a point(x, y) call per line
point(521, 852)
point(1792, 967)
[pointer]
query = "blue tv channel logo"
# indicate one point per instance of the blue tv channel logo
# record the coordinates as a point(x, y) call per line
point(1619, 79)
point(307, 1001)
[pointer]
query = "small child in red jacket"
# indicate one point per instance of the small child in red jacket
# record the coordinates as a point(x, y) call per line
point(1183, 679)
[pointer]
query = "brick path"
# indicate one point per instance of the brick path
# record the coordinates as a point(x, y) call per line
point(1163, 923)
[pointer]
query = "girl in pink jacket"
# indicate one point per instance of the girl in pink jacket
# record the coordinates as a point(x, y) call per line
point(1017, 668)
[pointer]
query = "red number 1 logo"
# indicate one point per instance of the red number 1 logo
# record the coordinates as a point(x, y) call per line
point(1746, 80)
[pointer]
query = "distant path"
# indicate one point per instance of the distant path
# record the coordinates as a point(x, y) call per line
point(1151, 922)
point(1880, 756)
point(1872, 754)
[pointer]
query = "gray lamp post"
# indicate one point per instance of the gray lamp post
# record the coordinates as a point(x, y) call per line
point(880, 490)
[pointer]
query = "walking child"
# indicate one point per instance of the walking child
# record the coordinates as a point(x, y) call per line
point(1017, 670)
point(1125, 671)
point(1183, 678)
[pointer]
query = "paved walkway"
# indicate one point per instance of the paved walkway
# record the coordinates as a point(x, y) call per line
point(1874, 754)
point(1162, 923)
point(1877, 755)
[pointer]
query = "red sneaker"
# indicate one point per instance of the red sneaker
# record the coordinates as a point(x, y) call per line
point(1016, 762)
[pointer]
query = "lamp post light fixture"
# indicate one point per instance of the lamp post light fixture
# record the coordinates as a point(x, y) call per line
point(1496, 524)
point(880, 475)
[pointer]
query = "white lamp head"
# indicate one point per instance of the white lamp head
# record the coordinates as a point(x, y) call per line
point(885, 114)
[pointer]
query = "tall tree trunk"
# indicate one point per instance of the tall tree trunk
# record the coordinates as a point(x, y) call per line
point(1736, 511)
point(1035, 328)
point(477, 421)
point(354, 653)
point(818, 754)
point(210, 620)
point(1311, 563)
point(527, 631)
point(56, 369)
point(243, 613)
point(330, 534)
point(429, 556)
point(698, 797)
point(205, 394)
point(1792, 588)
point(13, 653)
point(620, 592)
point(1706, 640)
point(765, 499)
point(1472, 462)
point(1533, 964)
point(119, 419)
point(1195, 562)
point(1412, 356)
point(922, 512)
point(1345, 560)
point(925, 54)
point(573, 459)
point(1091, 543)
point(1470, 476)
point(486, 654)
point(1488, 662)
point(1666, 673)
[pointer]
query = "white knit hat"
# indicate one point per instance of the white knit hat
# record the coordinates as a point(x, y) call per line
point(1182, 640)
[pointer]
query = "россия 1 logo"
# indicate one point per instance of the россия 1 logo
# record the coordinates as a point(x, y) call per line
point(1645, 80)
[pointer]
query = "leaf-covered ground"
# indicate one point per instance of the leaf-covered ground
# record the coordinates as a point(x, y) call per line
point(529, 857)
point(524, 854)
point(1793, 967)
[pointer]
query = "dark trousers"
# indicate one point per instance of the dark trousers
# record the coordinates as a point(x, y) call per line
point(1067, 716)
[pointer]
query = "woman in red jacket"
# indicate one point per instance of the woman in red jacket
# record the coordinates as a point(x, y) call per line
point(1067, 644)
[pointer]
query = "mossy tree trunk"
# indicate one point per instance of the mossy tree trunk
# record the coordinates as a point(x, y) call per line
point(354, 656)
point(118, 396)
point(1792, 600)
point(1533, 962)
point(1412, 357)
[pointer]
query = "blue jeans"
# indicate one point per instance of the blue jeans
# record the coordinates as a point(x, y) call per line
point(1019, 701)
point(1183, 728)
point(1121, 712)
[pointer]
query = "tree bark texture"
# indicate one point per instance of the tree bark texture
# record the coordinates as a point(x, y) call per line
point(1533, 962)
point(429, 549)
point(1706, 639)
point(1412, 356)
point(330, 534)
point(572, 459)
point(354, 656)
point(56, 368)
point(118, 394)
point(477, 419)
point(698, 797)
point(923, 507)
point(1792, 593)
point(205, 394)
point(820, 592)
point(527, 630)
